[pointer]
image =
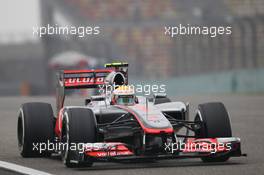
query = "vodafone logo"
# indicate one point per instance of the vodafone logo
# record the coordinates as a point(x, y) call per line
point(110, 153)
point(83, 81)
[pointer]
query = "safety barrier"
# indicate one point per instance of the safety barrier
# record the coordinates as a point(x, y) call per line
point(238, 81)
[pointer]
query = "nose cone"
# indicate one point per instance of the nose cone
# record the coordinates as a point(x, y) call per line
point(150, 116)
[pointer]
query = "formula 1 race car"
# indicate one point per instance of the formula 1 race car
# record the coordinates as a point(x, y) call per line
point(121, 126)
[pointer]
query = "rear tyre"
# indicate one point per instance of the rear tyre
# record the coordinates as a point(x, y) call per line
point(215, 123)
point(34, 127)
point(79, 127)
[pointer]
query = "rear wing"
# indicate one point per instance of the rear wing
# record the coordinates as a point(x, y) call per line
point(77, 79)
point(82, 79)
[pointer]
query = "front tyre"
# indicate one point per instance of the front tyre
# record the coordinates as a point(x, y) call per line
point(78, 127)
point(215, 123)
point(34, 127)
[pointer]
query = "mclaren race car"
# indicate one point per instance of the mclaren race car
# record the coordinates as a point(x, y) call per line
point(120, 126)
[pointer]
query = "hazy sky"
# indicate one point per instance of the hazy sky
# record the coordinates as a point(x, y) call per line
point(18, 16)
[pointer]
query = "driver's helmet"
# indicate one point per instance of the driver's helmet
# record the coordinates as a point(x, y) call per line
point(123, 95)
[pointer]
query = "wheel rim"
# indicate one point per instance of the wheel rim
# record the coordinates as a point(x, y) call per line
point(65, 138)
point(20, 130)
point(198, 118)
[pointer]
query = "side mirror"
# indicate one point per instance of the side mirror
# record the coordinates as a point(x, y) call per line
point(150, 99)
point(159, 95)
point(136, 100)
point(87, 101)
point(98, 98)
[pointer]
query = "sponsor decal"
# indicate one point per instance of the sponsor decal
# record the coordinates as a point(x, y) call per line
point(83, 80)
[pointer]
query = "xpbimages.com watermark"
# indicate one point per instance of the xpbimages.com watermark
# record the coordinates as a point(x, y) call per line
point(59, 146)
point(197, 147)
point(212, 31)
point(141, 89)
point(79, 31)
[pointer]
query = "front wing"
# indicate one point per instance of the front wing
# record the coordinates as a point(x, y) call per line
point(194, 148)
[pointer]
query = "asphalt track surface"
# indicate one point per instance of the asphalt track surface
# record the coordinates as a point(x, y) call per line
point(247, 117)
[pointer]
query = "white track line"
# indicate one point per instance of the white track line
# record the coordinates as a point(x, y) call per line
point(21, 169)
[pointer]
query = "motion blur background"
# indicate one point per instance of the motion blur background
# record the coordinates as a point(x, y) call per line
point(133, 31)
